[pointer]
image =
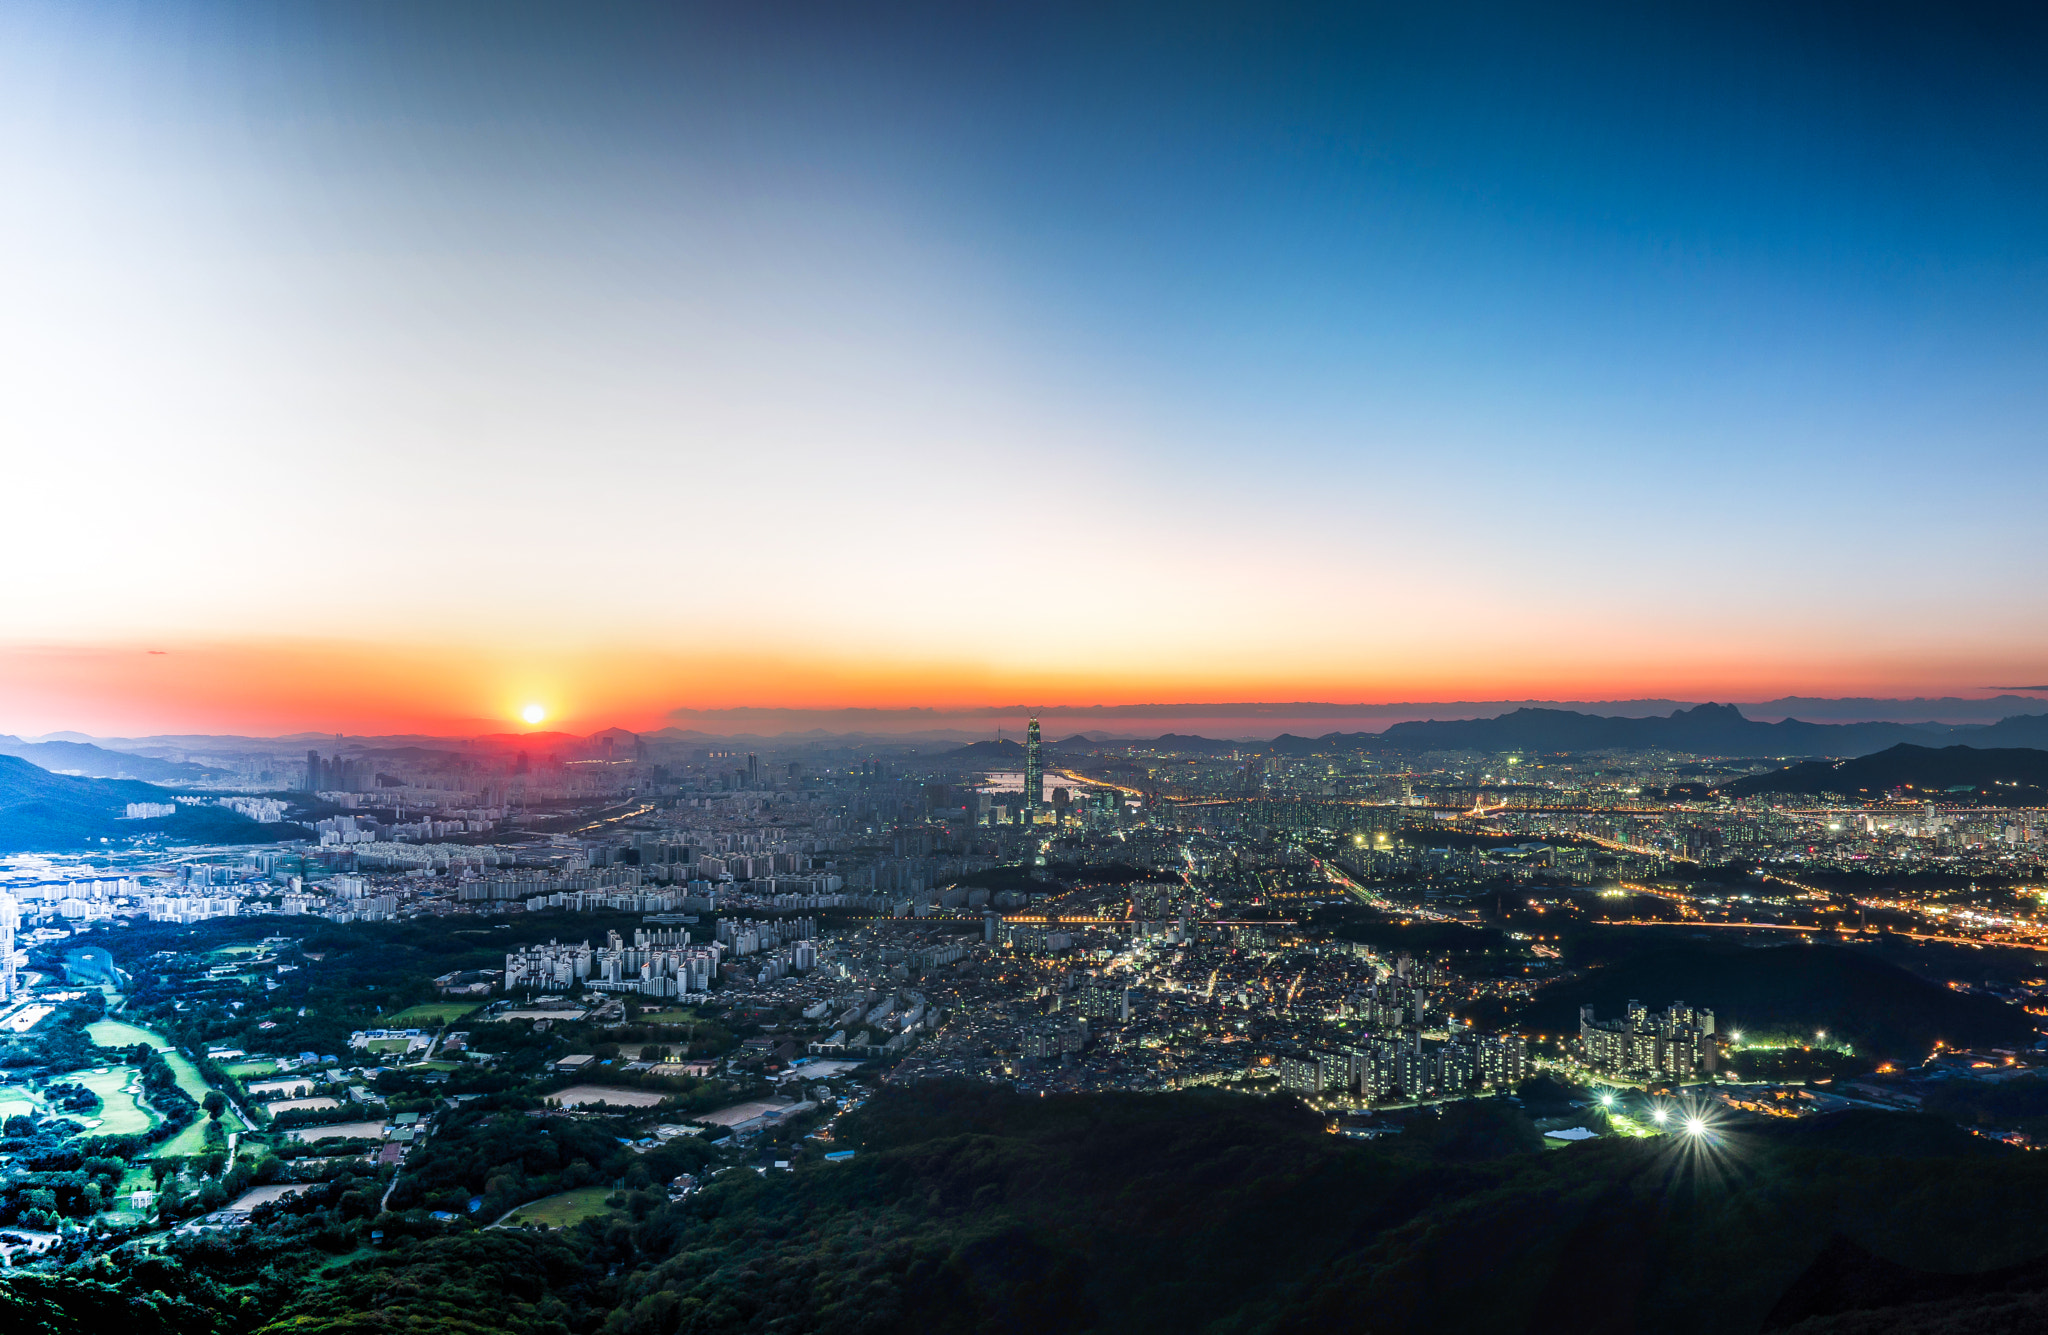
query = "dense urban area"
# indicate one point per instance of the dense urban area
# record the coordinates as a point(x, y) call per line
point(285, 1019)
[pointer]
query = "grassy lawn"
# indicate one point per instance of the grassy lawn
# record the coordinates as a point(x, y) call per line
point(389, 1044)
point(120, 1113)
point(250, 1070)
point(119, 1034)
point(345, 1258)
point(563, 1209)
point(188, 1075)
point(433, 1012)
point(192, 1140)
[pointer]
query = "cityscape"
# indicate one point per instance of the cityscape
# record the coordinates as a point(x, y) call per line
point(678, 671)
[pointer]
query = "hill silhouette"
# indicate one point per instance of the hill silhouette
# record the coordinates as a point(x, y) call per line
point(96, 762)
point(41, 812)
point(1709, 729)
point(1883, 1010)
point(971, 1208)
point(2008, 773)
point(997, 751)
point(44, 811)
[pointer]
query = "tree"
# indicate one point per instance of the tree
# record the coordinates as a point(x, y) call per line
point(215, 1104)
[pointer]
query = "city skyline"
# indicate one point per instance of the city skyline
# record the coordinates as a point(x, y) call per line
point(400, 370)
point(872, 666)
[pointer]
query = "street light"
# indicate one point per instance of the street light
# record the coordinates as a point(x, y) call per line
point(1661, 1116)
point(1695, 1127)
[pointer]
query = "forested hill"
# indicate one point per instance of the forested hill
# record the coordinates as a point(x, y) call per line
point(971, 1209)
point(97, 762)
point(1719, 730)
point(2016, 776)
point(45, 812)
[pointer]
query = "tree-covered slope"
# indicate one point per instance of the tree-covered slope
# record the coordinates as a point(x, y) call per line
point(973, 1209)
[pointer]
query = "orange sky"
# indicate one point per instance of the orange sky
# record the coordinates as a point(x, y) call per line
point(274, 687)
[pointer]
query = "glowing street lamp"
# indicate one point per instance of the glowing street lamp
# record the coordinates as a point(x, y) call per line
point(1661, 1116)
point(1695, 1127)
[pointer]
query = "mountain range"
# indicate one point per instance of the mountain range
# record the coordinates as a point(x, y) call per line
point(43, 812)
point(2014, 775)
point(97, 762)
point(1711, 729)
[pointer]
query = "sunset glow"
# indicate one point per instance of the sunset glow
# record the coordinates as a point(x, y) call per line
point(948, 423)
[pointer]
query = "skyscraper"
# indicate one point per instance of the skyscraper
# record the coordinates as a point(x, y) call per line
point(1034, 772)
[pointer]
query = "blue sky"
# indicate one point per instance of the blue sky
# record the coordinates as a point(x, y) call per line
point(1281, 352)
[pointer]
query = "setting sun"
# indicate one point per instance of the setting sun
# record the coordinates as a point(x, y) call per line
point(533, 714)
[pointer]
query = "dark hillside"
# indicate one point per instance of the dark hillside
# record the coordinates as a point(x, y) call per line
point(1882, 1009)
point(40, 810)
point(2014, 775)
point(970, 1208)
point(45, 812)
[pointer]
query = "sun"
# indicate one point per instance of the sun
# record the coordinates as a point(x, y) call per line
point(533, 714)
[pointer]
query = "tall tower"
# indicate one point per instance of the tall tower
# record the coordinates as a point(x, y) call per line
point(1034, 771)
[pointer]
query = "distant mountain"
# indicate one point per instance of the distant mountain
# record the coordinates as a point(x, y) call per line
point(41, 812)
point(1182, 742)
point(2020, 775)
point(2022, 730)
point(1710, 729)
point(1001, 751)
point(99, 763)
point(45, 812)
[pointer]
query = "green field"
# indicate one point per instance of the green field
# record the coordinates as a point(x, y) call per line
point(562, 1210)
point(388, 1045)
point(188, 1075)
point(121, 1114)
point(192, 1140)
point(433, 1012)
point(119, 1034)
point(250, 1070)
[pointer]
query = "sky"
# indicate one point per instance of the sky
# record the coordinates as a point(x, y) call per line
point(394, 367)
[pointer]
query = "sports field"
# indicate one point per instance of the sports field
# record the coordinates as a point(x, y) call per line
point(581, 1096)
point(563, 1209)
point(433, 1012)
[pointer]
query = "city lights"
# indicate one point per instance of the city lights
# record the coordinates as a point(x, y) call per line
point(1142, 615)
